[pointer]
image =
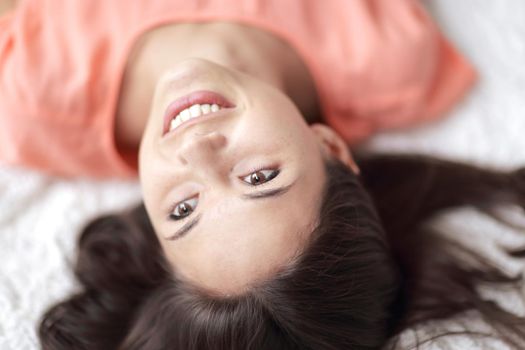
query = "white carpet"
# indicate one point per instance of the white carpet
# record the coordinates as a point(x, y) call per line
point(40, 217)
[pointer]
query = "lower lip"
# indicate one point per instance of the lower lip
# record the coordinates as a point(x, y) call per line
point(197, 97)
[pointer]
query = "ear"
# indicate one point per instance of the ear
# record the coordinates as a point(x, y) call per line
point(333, 145)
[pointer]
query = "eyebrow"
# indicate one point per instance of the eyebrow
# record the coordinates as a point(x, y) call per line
point(274, 192)
point(185, 229)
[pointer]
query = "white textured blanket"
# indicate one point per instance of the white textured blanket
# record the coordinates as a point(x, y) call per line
point(40, 217)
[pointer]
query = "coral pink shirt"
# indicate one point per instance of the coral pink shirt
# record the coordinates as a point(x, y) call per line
point(377, 64)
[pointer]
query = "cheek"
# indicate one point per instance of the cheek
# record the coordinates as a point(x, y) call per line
point(286, 132)
point(275, 108)
point(307, 150)
point(145, 156)
point(151, 195)
point(312, 170)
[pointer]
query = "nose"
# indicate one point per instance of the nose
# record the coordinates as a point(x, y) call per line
point(202, 150)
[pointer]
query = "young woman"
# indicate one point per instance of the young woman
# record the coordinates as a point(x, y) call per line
point(259, 230)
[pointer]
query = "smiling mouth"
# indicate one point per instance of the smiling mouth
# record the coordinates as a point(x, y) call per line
point(192, 107)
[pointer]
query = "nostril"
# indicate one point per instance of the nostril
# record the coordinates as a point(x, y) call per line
point(182, 159)
point(218, 140)
point(213, 139)
point(201, 146)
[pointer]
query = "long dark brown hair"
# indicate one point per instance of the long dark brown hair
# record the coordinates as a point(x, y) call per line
point(371, 269)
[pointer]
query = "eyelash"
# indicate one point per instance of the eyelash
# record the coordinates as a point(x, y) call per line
point(273, 174)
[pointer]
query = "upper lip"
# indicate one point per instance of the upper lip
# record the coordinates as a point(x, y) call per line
point(197, 97)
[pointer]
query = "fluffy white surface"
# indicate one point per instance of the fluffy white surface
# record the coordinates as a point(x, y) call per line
point(40, 217)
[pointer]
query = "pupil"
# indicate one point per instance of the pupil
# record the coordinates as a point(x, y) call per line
point(184, 208)
point(256, 178)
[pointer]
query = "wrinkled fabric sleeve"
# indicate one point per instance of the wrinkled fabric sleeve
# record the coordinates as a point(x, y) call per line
point(402, 71)
point(54, 102)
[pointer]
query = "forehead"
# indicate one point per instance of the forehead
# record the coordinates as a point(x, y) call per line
point(239, 242)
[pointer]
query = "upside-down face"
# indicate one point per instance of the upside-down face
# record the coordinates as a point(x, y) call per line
point(232, 175)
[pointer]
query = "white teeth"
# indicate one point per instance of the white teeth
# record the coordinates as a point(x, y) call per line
point(193, 111)
point(184, 115)
point(205, 109)
point(174, 123)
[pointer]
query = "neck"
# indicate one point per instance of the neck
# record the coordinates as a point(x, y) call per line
point(246, 49)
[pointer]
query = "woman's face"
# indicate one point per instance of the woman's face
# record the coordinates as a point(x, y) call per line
point(241, 186)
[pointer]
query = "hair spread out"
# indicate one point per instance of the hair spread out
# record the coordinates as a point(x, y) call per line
point(371, 269)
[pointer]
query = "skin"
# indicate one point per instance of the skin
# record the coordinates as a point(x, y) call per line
point(238, 242)
point(7, 6)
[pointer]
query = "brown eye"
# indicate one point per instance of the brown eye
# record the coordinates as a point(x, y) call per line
point(184, 208)
point(260, 176)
